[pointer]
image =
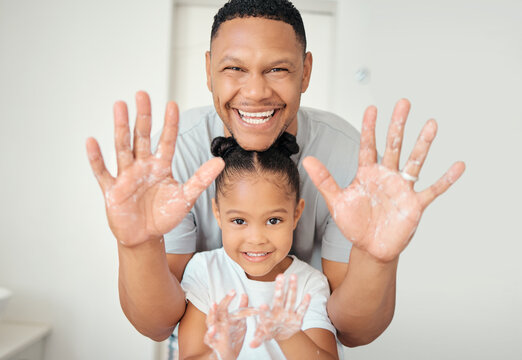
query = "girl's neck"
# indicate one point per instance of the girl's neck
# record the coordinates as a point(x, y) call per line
point(276, 270)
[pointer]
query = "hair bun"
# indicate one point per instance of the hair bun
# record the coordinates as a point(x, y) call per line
point(222, 146)
point(287, 144)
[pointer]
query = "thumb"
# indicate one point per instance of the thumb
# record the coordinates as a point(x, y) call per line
point(202, 179)
point(322, 179)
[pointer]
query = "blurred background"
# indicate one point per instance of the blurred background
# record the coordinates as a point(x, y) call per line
point(63, 63)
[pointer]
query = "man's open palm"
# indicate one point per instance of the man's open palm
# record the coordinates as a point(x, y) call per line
point(379, 211)
point(144, 201)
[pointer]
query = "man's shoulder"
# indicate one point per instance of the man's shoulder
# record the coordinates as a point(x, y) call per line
point(196, 120)
point(323, 123)
point(332, 140)
point(197, 128)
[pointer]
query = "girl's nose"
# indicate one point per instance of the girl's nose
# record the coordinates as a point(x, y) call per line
point(256, 236)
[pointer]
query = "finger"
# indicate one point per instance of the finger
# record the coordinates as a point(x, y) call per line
point(105, 179)
point(301, 309)
point(142, 126)
point(167, 141)
point(122, 136)
point(223, 304)
point(322, 179)
point(243, 312)
point(421, 148)
point(211, 316)
point(292, 290)
point(279, 292)
point(259, 337)
point(448, 179)
point(244, 301)
point(256, 341)
point(395, 134)
point(202, 179)
point(367, 149)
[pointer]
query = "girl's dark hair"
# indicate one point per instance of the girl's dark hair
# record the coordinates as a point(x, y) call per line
point(274, 160)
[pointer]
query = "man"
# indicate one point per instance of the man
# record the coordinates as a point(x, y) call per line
point(257, 68)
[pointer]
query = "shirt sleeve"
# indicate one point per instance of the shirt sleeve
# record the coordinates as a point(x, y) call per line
point(335, 247)
point(195, 283)
point(316, 315)
point(182, 239)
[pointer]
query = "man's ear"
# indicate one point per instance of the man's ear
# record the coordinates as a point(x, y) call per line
point(298, 211)
point(307, 71)
point(215, 210)
point(207, 66)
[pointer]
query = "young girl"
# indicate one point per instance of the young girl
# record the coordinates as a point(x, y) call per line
point(257, 207)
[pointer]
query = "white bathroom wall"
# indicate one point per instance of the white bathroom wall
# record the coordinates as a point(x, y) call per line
point(63, 64)
point(460, 62)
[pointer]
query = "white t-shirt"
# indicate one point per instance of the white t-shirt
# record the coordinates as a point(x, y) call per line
point(210, 275)
point(319, 133)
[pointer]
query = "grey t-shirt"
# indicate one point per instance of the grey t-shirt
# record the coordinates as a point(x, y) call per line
point(320, 134)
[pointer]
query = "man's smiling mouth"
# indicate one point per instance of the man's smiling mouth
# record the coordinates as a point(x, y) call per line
point(256, 118)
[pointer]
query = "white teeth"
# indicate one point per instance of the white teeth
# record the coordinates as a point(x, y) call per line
point(257, 114)
point(257, 117)
point(256, 254)
point(256, 121)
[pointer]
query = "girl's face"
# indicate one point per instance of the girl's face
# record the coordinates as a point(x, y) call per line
point(257, 220)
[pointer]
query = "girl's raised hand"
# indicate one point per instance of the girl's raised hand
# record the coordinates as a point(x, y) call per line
point(282, 320)
point(226, 332)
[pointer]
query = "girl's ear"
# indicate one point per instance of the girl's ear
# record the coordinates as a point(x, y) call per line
point(215, 210)
point(298, 211)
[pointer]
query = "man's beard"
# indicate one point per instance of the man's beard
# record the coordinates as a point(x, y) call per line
point(283, 129)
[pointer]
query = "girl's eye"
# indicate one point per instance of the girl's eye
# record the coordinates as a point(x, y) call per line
point(238, 221)
point(273, 221)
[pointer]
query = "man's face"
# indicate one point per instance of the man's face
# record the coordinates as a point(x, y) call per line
point(256, 73)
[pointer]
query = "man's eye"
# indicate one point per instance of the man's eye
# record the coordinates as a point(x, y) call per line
point(238, 221)
point(234, 68)
point(273, 221)
point(278, 69)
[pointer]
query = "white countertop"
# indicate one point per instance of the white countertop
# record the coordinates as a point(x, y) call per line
point(16, 336)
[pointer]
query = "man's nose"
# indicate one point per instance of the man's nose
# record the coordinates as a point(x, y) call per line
point(256, 88)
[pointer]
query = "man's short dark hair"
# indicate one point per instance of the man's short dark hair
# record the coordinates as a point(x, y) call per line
point(281, 10)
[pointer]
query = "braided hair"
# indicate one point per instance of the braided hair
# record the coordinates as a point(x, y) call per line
point(240, 163)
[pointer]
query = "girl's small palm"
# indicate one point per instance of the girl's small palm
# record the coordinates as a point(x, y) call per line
point(226, 332)
point(282, 320)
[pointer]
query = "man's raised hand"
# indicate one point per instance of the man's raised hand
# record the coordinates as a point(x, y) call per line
point(379, 211)
point(144, 201)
